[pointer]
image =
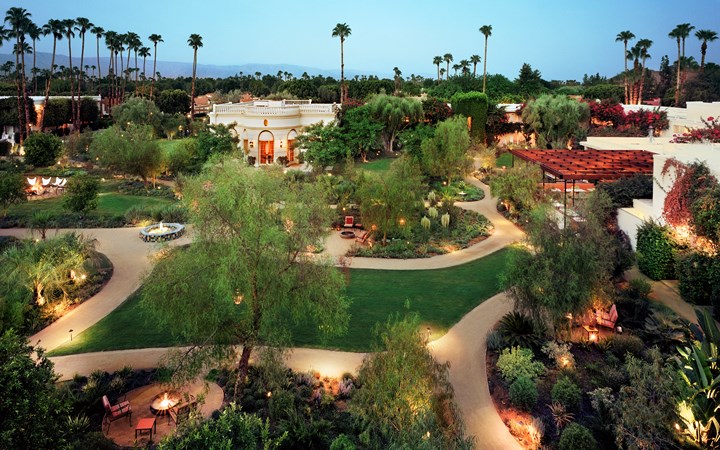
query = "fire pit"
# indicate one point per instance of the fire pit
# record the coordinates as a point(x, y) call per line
point(162, 403)
point(347, 234)
point(160, 232)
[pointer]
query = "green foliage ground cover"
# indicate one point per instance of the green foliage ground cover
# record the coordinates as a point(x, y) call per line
point(441, 297)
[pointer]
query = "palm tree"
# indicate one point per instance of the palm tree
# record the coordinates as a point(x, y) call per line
point(34, 32)
point(98, 32)
point(680, 33)
point(132, 41)
point(19, 18)
point(486, 30)
point(447, 57)
point(82, 25)
point(634, 55)
point(194, 41)
point(144, 52)
point(398, 79)
point(437, 61)
point(69, 34)
point(705, 36)
point(342, 30)
point(475, 59)
point(465, 66)
point(55, 28)
point(644, 45)
point(442, 72)
point(455, 67)
point(625, 37)
point(154, 38)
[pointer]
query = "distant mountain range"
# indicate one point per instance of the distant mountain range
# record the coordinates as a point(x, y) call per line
point(172, 69)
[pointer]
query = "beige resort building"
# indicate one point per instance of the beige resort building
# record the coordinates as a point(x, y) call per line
point(268, 128)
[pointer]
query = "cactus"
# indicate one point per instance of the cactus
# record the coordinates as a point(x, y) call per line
point(425, 222)
point(445, 220)
point(433, 212)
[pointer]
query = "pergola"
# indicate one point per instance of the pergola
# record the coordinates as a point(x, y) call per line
point(590, 165)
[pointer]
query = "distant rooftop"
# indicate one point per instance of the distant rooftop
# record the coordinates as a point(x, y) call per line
point(590, 164)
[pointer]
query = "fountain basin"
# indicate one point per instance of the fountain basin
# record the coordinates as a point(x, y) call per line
point(162, 232)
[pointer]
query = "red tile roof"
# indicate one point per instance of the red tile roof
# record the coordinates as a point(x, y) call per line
point(590, 164)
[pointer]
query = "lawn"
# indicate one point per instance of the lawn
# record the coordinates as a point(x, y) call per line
point(169, 146)
point(377, 165)
point(109, 204)
point(441, 297)
point(505, 159)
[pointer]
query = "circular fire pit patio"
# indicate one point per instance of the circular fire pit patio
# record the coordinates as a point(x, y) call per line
point(347, 234)
point(162, 403)
point(162, 232)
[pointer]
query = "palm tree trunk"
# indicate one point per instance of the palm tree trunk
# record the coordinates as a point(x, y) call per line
point(152, 84)
point(18, 84)
point(144, 75)
point(23, 78)
point(72, 80)
point(136, 72)
point(677, 85)
point(703, 51)
point(47, 85)
point(34, 67)
point(81, 74)
point(625, 81)
point(126, 72)
point(342, 71)
point(98, 68)
point(192, 90)
point(485, 64)
point(642, 82)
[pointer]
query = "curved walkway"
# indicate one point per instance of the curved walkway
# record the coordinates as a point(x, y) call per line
point(463, 346)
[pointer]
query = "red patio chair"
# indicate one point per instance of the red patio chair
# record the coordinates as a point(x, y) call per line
point(607, 319)
point(115, 412)
point(349, 222)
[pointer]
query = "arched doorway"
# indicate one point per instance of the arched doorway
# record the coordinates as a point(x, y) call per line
point(245, 141)
point(266, 147)
point(292, 135)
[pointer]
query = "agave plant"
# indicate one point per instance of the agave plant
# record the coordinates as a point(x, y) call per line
point(560, 415)
point(520, 330)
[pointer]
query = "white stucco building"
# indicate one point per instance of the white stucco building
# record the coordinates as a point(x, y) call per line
point(267, 128)
point(681, 120)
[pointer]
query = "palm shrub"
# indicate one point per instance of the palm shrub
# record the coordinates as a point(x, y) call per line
point(518, 362)
point(577, 437)
point(567, 393)
point(520, 330)
point(523, 393)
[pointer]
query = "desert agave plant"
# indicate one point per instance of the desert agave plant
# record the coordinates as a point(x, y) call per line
point(560, 415)
point(520, 330)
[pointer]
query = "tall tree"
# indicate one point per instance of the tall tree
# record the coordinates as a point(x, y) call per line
point(486, 30)
point(680, 33)
point(705, 36)
point(437, 61)
point(69, 34)
point(398, 79)
point(98, 32)
point(475, 59)
point(448, 58)
point(194, 41)
point(394, 113)
point(34, 32)
point(19, 20)
point(644, 45)
point(342, 30)
point(82, 25)
point(625, 37)
point(144, 52)
point(256, 277)
point(154, 38)
point(54, 27)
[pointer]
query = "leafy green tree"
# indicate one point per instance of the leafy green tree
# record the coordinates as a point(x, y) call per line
point(566, 269)
point(324, 145)
point(137, 111)
point(57, 112)
point(12, 190)
point(394, 113)
point(400, 402)
point(385, 200)
point(232, 429)
point(215, 140)
point(29, 403)
point(361, 131)
point(173, 101)
point(529, 81)
point(248, 275)
point(81, 193)
point(132, 150)
point(89, 111)
point(445, 155)
point(475, 106)
point(555, 119)
point(517, 188)
point(9, 111)
point(173, 124)
point(42, 149)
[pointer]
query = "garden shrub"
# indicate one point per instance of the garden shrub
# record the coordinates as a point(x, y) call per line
point(623, 191)
point(560, 353)
point(639, 288)
point(174, 214)
point(474, 105)
point(518, 362)
point(706, 214)
point(342, 442)
point(495, 341)
point(698, 277)
point(42, 149)
point(520, 330)
point(655, 251)
point(137, 214)
point(567, 393)
point(81, 193)
point(620, 344)
point(523, 393)
point(577, 437)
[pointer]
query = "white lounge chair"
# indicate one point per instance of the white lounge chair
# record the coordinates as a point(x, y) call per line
point(32, 181)
point(56, 183)
point(61, 184)
point(46, 182)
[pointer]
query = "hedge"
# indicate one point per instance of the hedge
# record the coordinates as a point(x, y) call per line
point(623, 191)
point(655, 251)
point(475, 105)
point(698, 277)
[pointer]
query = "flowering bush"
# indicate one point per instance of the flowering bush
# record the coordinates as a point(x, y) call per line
point(609, 119)
point(644, 119)
point(607, 113)
point(711, 133)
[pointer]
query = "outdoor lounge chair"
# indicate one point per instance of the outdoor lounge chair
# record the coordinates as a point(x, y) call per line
point(349, 222)
point(61, 184)
point(181, 412)
point(115, 412)
point(32, 181)
point(46, 182)
point(607, 319)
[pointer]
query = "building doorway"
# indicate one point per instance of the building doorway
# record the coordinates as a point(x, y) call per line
point(292, 135)
point(266, 147)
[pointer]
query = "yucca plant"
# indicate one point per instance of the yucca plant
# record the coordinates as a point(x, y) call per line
point(560, 415)
point(520, 330)
point(425, 222)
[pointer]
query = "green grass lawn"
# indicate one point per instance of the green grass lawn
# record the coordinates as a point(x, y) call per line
point(109, 204)
point(441, 297)
point(169, 146)
point(504, 160)
point(377, 165)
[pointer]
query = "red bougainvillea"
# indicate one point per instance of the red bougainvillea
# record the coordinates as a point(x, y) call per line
point(711, 133)
point(608, 118)
point(690, 184)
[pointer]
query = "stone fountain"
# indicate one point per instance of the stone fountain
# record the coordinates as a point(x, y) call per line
point(162, 232)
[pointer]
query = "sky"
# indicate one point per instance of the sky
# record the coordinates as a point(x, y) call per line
point(564, 39)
